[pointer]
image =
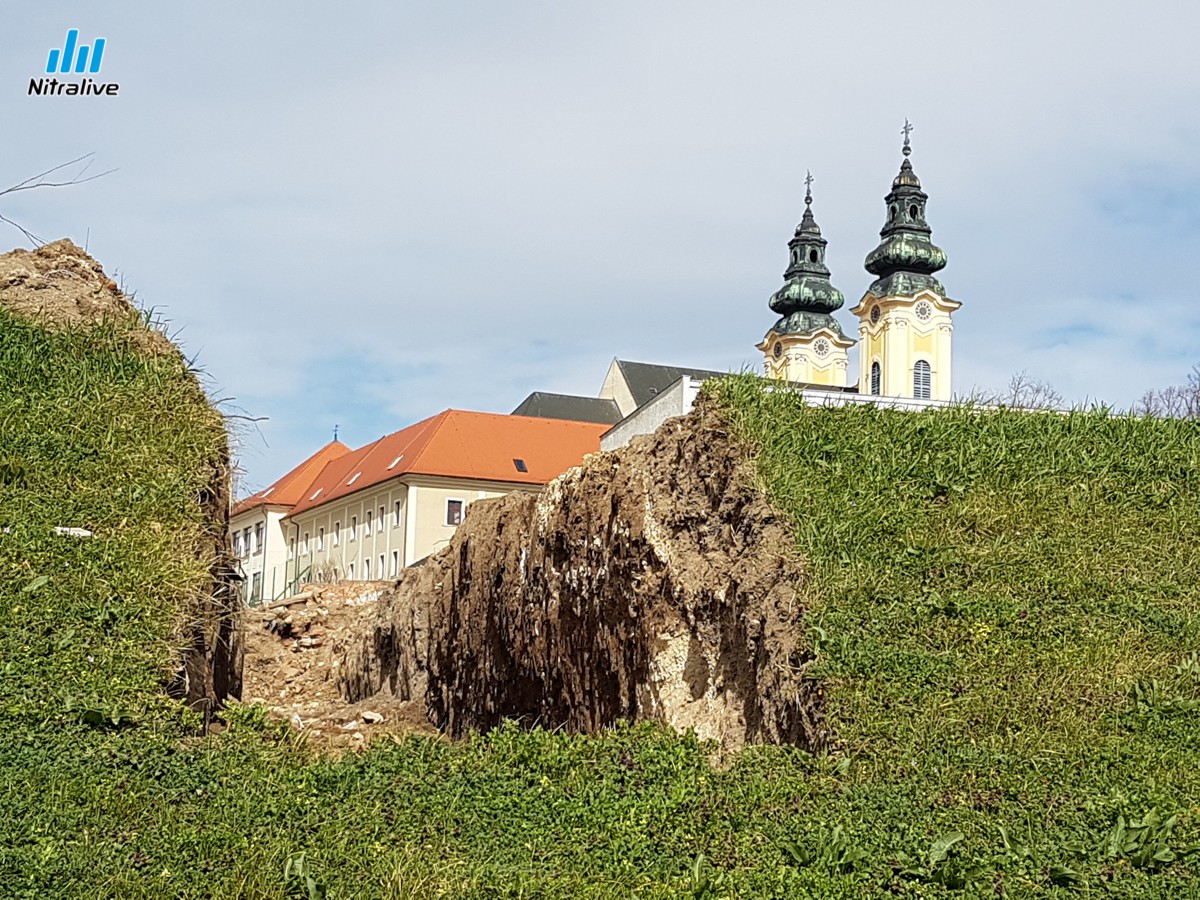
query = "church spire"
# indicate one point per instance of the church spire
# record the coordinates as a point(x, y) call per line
point(807, 298)
point(906, 259)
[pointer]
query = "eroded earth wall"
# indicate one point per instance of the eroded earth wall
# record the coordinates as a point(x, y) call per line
point(652, 582)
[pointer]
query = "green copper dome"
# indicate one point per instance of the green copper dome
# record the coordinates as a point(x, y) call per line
point(906, 258)
point(807, 298)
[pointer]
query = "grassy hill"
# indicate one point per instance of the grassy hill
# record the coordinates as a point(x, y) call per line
point(1002, 605)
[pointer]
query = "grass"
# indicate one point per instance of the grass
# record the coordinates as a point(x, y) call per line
point(1002, 605)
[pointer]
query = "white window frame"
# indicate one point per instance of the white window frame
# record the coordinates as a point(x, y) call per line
point(366, 568)
point(304, 545)
point(395, 562)
point(922, 380)
point(396, 514)
point(367, 524)
point(350, 572)
point(260, 530)
point(337, 534)
point(462, 511)
point(320, 539)
point(354, 528)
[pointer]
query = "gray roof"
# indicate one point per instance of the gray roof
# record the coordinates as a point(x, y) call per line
point(543, 405)
point(646, 380)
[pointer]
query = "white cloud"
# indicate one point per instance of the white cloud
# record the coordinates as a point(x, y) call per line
point(368, 214)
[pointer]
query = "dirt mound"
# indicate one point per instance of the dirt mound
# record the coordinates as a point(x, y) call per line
point(653, 582)
point(60, 285)
point(289, 666)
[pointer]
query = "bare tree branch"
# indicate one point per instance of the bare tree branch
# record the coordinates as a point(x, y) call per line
point(1177, 401)
point(1023, 392)
point(43, 180)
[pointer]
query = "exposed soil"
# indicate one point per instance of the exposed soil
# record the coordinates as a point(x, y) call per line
point(60, 286)
point(289, 667)
point(653, 582)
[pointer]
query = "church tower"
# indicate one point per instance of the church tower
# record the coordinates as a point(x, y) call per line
point(904, 318)
point(807, 344)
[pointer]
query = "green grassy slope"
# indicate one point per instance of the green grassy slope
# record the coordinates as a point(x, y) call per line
point(1006, 607)
point(1005, 627)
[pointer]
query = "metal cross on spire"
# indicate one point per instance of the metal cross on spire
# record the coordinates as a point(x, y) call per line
point(335, 431)
point(808, 180)
point(906, 131)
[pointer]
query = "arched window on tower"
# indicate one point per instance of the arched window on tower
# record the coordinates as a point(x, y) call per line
point(922, 381)
point(876, 378)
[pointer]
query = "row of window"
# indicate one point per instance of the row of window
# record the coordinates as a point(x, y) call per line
point(922, 380)
point(248, 541)
point(455, 508)
point(393, 569)
point(370, 526)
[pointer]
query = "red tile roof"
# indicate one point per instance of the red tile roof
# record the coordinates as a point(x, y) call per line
point(289, 489)
point(460, 444)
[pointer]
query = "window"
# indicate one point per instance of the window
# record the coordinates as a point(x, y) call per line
point(875, 379)
point(380, 565)
point(396, 514)
point(395, 562)
point(922, 380)
point(304, 546)
point(256, 589)
point(367, 569)
point(354, 528)
point(237, 543)
point(320, 539)
point(337, 533)
point(454, 512)
point(350, 571)
point(520, 465)
point(246, 539)
point(367, 524)
point(258, 537)
point(292, 549)
point(382, 517)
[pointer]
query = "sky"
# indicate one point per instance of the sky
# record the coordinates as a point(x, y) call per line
point(363, 214)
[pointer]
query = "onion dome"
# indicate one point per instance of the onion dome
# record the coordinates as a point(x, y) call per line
point(807, 298)
point(905, 260)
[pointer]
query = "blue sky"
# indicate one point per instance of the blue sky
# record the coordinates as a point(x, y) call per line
point(364, 214)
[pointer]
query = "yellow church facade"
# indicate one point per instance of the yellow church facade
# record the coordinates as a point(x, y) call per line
point(904, 345)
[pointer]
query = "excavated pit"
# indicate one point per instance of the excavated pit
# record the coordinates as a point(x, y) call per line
point(652, 582)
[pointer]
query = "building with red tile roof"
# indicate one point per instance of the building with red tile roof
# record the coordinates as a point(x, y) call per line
point(372, 511)
point(255, 523)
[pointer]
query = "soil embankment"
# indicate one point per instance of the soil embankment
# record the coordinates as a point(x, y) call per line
point(61, 287)
point(653, 582)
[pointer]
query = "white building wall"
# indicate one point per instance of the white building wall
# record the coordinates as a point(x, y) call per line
point(259, 544)
point(413, 526)
point(677, 400)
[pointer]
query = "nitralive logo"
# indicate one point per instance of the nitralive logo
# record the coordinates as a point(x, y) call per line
point(73, 58)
